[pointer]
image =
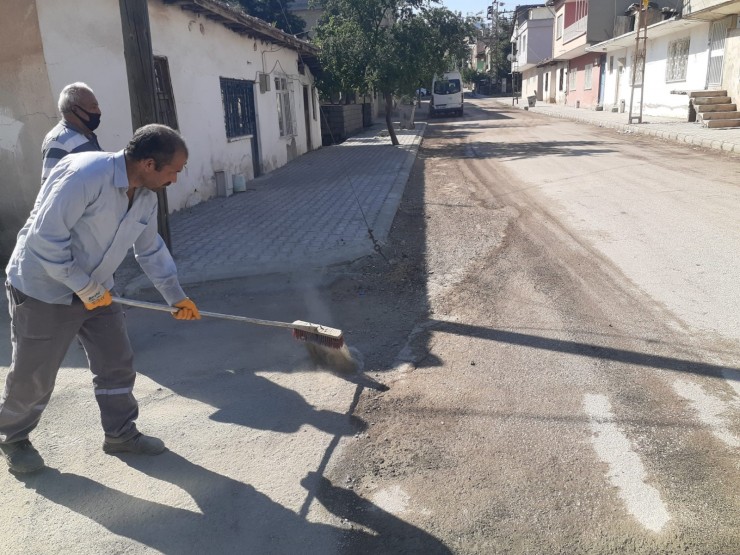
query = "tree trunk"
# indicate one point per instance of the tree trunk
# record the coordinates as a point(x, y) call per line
point(388, 120)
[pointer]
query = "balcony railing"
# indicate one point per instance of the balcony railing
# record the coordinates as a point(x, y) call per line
point(575, 30)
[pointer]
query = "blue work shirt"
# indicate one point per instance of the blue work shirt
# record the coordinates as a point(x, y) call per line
point(81, 228)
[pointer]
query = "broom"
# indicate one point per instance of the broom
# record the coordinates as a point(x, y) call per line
point(325, 345)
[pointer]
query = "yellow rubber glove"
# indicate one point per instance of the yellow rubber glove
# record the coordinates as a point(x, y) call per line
point(188, 310)
point(94, 296)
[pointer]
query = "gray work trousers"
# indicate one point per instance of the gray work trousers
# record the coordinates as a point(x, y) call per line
point(41, 334)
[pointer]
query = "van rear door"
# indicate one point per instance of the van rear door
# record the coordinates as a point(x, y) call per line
point(447, 95)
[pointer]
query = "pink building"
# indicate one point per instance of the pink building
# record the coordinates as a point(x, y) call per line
point(576, 77)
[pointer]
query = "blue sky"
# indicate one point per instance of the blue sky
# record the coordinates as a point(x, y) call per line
point(474, 6)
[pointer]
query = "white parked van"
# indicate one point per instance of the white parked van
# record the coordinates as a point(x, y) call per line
point(447, 94)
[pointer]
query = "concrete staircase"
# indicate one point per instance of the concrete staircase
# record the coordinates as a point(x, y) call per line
point(715, 109)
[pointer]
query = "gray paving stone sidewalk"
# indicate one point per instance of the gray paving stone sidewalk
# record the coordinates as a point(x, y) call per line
point(671, 129)
point(312, 212)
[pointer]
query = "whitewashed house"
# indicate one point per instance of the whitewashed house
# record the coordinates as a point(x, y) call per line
point(675, 63)
point(532, 40)
point(720, 109)
point(239, 90)
point(692, 64)
point(723, 42)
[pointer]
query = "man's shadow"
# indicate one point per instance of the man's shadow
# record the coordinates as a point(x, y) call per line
point(232, 517)
point(259, 403)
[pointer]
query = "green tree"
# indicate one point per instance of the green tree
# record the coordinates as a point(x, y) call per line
point(497, 38)
point(391, 46)
point(274, 12)
point(472, 75)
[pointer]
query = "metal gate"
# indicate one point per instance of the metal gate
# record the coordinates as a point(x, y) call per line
point(717, 35)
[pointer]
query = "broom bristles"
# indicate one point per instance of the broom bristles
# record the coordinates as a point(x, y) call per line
point(346, 360)
point(318, 339)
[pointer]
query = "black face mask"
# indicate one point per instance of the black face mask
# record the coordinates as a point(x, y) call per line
point(93, 119)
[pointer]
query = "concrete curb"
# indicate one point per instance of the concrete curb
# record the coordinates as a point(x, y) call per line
point(393, 200)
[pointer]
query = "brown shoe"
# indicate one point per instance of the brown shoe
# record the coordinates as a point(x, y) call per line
point(22, 457)
point(139, 445)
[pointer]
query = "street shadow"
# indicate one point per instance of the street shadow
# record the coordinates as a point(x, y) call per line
point(524, 150)
point(228, 379)
point(231, 516)
point(389, 534)
point(583, 349)
point(454, 132)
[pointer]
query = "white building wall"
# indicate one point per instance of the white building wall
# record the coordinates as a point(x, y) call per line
point(529, 82)
point(731, 70)
point(533, 83)
point(539, 45)
point(199, 51)
point(658, 100)
point(89, 49)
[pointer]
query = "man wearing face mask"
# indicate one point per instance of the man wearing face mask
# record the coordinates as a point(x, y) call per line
point(75, 133)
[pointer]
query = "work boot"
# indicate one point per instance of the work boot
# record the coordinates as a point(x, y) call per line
point(139, 445)
point(22, 457)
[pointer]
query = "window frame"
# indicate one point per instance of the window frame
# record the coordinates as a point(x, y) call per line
point(237, 98)
point(588, 77)
point(677, 60)
point(164, 97)
point(285, 111)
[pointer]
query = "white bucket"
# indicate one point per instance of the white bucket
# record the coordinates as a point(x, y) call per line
point(240, 183)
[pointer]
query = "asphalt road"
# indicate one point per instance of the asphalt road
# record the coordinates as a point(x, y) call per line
point(574, 387)
point(557, 325)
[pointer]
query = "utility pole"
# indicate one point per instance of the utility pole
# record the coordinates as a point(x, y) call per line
point(495, 16)
point(640, 59)
point(137, 51)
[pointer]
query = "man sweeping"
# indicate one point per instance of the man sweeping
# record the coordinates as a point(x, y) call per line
point(91, 208)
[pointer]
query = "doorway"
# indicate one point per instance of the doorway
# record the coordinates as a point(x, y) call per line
point(602, 79)
point(307, 116)
point(717, 36)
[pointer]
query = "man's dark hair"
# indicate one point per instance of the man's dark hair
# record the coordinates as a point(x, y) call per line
point(155, 141)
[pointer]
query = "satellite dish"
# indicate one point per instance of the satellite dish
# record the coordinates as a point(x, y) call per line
point(509, 57)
